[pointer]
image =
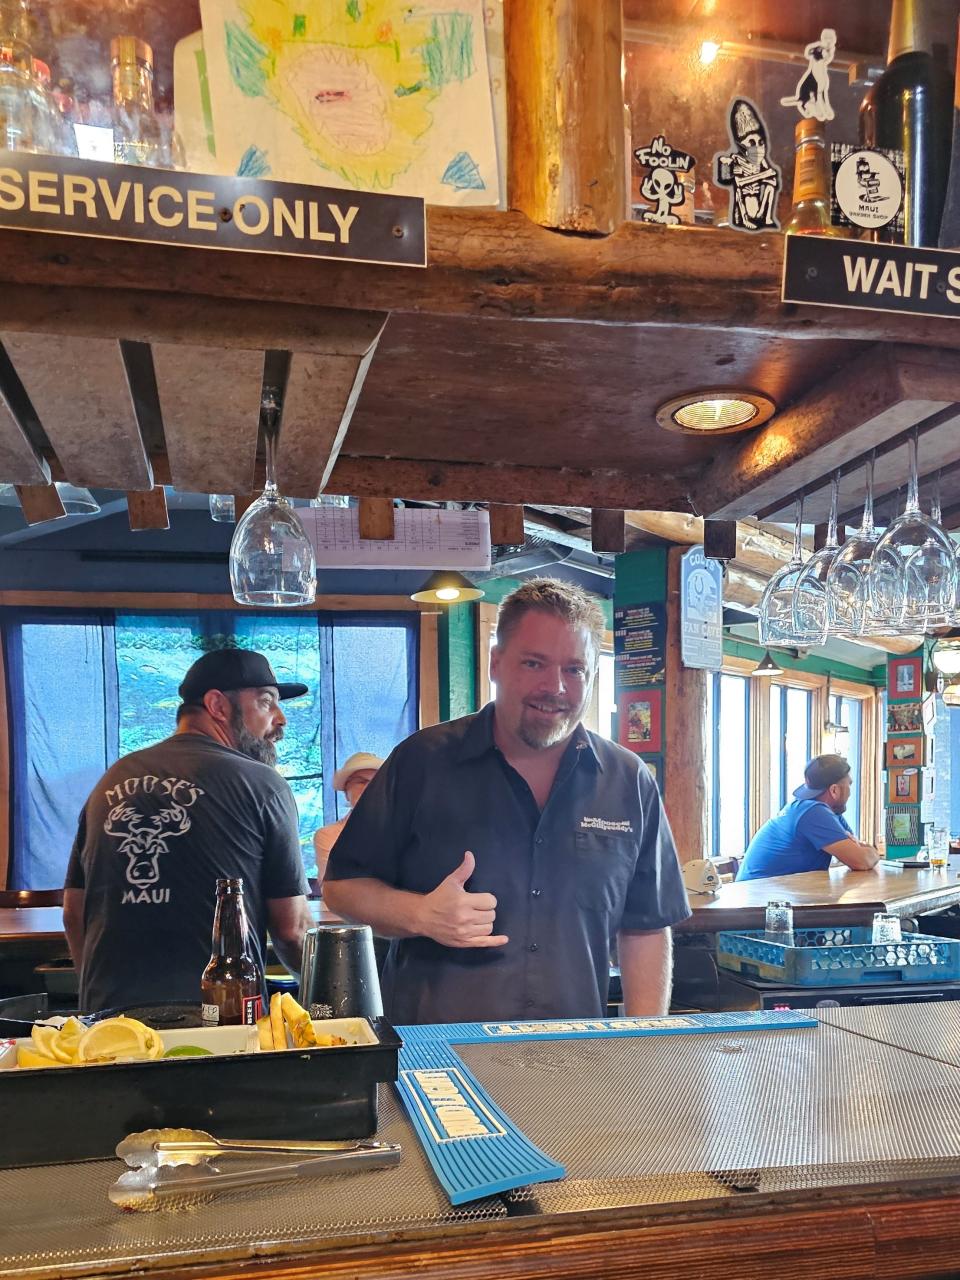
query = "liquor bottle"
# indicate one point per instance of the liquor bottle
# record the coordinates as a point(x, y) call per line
point(950, 223)
point(910, 109)
point(231, 986)
point(139, 136)
point(29, 120)
point(811, 183)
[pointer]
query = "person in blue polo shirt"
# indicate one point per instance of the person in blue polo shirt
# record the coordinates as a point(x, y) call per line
point(811, 829)
point(503, 851)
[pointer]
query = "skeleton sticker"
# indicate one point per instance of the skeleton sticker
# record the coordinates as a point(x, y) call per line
point(144, 836)
point(663, 185)
point(812, 98)
point(754, 180)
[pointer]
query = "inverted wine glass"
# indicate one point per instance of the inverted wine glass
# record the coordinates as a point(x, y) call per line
point(811, 618)
point(272, 562)
point(848, 595)
point(775, 614)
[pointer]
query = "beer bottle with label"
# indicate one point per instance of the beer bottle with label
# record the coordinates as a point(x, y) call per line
point(231, 986)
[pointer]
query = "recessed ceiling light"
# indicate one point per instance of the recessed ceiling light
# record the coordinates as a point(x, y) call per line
point(715, 412)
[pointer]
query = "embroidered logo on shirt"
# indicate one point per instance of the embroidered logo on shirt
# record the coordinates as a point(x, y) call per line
point(605, 824)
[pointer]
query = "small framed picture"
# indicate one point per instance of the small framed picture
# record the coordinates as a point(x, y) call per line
point(655, 765)
point(903, 786)
point(905, 717)
point(903, 753)
point(903, 825)
point(905, 679)
point(639, 720)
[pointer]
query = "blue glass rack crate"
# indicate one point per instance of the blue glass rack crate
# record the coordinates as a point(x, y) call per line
point(840, 957)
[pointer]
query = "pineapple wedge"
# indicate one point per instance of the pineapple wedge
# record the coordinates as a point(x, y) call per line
point(298, 1020)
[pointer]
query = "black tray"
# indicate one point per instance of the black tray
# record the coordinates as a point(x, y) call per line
point(81, 1113)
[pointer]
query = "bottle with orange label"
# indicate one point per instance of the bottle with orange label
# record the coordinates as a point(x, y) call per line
point(231, 988)
point(811, 184)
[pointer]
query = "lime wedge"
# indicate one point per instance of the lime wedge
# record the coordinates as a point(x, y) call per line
point(187, 1051)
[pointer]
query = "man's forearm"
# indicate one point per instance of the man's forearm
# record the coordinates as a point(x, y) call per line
point(645, 972)
point(391, 913)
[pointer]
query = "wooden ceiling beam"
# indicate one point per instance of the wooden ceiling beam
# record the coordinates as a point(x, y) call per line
point(506, 525)
point(481, 263)
point(40, 502)
point(208, 396)
point(375, 519)
point(878, 396)
point(318, 403)
point(78, 388)
point(148, 510)
point(607, 531)
point(20, 461)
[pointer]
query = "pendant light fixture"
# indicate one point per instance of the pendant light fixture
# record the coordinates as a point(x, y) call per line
point(446, 586)
point(767, 666)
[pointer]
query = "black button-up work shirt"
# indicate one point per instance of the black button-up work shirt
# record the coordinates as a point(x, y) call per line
point(599, 857)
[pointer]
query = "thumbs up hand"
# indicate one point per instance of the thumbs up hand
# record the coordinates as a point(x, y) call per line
point(455, 918)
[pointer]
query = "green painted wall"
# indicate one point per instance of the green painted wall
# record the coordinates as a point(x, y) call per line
point(457, 660)
point(641, 577)
point(876, 677)
point(495, 589)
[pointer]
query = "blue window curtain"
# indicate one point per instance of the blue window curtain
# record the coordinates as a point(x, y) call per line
point(62, 707)
point(369, 671)
point(85, 688)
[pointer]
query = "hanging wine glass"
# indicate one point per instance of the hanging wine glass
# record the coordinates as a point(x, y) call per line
point(272, 562)
point(848, 597)
point(811, 617)
point(913, 570)
point(775, 613)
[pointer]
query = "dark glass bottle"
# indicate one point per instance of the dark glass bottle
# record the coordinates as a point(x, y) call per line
point(910, 109)
point(231, 986)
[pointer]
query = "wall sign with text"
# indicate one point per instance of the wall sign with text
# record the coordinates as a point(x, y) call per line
point(828, 272)
point(164, 206)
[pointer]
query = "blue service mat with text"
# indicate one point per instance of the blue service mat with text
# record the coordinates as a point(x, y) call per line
point(473, 1146)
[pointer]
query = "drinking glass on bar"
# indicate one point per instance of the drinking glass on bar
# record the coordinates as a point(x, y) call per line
point(886, 927)
point(779, 923)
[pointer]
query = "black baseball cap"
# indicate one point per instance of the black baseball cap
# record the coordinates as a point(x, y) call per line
point(820, 773)
point(229, 669)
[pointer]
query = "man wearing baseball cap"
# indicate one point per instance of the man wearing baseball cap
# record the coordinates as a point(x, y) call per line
point(811, 829)
point(164, 824)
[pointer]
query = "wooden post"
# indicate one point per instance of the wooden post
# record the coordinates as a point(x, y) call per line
point(607, 531)
point(686, 786)
point(376, 519)
point(148, 510)
point(40, 502)
point(506, 525)
point(565, 158)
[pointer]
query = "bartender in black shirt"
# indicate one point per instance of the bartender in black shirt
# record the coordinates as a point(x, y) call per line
point(502, 851)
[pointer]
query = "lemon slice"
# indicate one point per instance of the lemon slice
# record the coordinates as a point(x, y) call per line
point(114, 1038)
point(65, 1042)
point(44, 1039)
point(28, 1058)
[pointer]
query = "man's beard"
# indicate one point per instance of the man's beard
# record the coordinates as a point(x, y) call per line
point(248, 744)
point(539, 737)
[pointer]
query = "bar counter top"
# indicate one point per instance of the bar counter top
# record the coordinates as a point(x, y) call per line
point(827, 1150)
point(835, 896)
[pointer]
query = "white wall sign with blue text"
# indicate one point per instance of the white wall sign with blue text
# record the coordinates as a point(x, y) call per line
point(701, 611)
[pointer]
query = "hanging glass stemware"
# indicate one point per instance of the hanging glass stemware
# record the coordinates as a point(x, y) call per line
point(810, 611)
point(848, 596)
point(913, 571)
point(272, 562)
point(775, 613)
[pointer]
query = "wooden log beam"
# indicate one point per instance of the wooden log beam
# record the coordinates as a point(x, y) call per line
point(565, 155)
point(40, 502)
point(481, 263)
point(376, 519)
point(208, 395)
point(878, 396)
point(20, 460)
point(685, 784)
point(607, 531)
point(318, 403)
point(78, 387)
point(148, 510)
point(506, 525)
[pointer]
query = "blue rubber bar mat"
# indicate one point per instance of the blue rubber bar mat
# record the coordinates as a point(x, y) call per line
point(473, 1146)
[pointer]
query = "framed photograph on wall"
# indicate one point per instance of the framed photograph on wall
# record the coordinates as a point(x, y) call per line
point(903, 786)
point(639, 713)
point(905, 677)
point(903, 753)
point(905, 717)
point(655, 765)
point(903, 825)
